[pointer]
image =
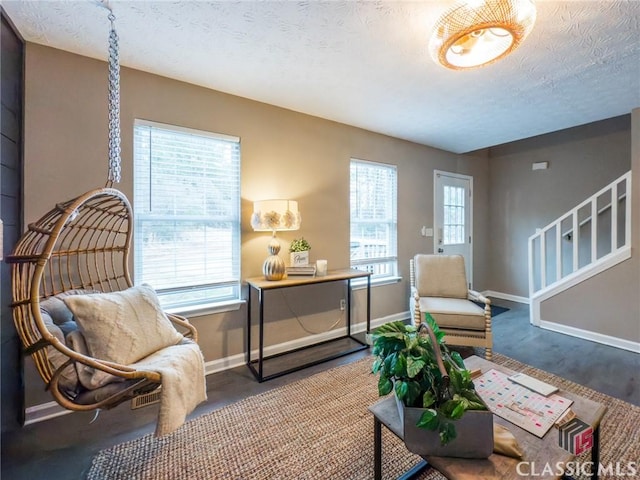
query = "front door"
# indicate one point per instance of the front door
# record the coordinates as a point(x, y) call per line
point(453, 214)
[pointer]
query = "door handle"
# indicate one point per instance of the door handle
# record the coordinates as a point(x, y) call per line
point(440, 250)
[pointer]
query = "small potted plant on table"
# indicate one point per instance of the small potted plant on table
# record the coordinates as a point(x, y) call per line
point(299, 250)
point(441, 412)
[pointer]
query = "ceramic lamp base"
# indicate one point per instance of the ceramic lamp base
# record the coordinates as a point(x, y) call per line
point(273, 267)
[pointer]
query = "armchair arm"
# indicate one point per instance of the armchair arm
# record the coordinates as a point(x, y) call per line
point(478, 297)
point(417, 314)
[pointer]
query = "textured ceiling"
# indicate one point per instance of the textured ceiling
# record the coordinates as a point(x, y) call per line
point(365, 63)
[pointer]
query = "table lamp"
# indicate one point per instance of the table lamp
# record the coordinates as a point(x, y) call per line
point(273, 216)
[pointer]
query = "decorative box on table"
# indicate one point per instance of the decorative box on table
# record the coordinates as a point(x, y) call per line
point(300, 259)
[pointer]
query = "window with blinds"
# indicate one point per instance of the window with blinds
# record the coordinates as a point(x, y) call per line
point(187, 214)
point(373, 205)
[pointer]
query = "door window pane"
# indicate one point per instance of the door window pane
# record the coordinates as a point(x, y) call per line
point(454, 210)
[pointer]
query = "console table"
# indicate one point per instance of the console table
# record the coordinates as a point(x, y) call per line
point(260, 287)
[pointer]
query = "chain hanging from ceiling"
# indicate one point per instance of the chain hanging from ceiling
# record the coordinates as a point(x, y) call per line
point(114, 104)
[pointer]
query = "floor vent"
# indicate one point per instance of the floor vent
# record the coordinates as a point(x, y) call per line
point(146, 399)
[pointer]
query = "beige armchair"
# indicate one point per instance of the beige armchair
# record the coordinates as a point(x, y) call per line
point(439, 287)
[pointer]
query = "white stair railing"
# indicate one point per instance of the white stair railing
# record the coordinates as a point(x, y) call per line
point(595, 230)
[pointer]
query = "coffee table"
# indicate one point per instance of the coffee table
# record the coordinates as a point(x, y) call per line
point(543, 458)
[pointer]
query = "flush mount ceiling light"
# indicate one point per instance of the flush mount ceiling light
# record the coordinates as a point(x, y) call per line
point(473, 33)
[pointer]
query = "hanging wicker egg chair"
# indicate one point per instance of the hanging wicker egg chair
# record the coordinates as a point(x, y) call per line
point(80, 246)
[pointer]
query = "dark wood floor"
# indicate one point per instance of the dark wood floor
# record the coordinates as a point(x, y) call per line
point(62, 448)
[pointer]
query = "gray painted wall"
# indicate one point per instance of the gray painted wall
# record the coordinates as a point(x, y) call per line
point(284, 155)
point(609, 303)
point(582, 160)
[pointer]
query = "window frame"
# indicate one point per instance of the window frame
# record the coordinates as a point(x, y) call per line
point(210, 302)
point(389, 260)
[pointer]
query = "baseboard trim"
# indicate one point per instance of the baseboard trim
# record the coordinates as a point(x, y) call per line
point(49, 410)
point(592, 336)
point(506, 296)
point(226, 363)
point(44, 411)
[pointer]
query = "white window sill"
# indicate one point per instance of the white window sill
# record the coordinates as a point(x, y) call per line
point(362, 284)
point(207, 308)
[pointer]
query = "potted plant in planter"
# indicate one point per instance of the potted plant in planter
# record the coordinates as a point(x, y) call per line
point(299, 250)
point(441, 412)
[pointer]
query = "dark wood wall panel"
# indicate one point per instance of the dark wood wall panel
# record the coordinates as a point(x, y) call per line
point(11, 125)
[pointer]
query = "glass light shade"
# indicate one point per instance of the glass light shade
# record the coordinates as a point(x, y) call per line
point(473, 33)
point(275, 215)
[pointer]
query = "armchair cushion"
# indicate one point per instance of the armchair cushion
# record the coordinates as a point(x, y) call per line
point(439, 286)
point(454, 313)
point(440, 276)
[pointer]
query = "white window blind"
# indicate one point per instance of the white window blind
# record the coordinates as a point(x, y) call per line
point(187, 214)
point(373, 203)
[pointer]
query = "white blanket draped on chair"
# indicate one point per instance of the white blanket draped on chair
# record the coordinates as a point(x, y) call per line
point(183, 383)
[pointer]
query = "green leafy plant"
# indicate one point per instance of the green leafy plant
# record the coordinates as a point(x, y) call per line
point(406, 361)
point(299, 245)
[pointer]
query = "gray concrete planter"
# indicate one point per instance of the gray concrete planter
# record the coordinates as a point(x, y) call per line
point(474, 437)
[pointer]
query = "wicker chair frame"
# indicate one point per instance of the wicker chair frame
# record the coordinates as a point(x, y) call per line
point(83, 243)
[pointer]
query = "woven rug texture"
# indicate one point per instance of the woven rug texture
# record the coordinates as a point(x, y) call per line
point(317, 428)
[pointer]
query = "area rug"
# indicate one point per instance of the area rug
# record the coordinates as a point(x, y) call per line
point(495, 309)
point(317, 428)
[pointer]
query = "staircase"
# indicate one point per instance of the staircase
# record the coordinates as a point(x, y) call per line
point(585, 241)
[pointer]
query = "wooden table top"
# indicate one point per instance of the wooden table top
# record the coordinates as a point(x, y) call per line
point(295, 280)
point(538, 452)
